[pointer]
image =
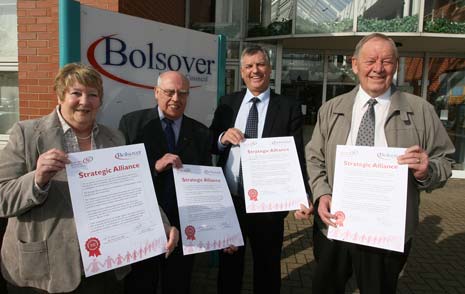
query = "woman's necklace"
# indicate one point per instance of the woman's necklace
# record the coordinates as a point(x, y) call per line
point(84, 138)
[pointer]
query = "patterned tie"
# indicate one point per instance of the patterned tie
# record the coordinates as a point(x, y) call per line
point(251, 131)
point(251, 128)
point(169, 134)
point(366, 131)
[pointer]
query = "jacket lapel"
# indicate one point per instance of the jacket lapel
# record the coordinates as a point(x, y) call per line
point(271, 115)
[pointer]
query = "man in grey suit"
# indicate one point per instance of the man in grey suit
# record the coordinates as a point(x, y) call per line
point(400, 120)
point(277, 116)
point(171, 139)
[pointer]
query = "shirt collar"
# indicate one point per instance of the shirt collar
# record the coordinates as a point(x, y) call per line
point(264, 96)
point(176, 122)
point(363, 97)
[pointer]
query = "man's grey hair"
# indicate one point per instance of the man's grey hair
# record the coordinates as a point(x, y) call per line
point(252, 50)
point(367, 38)
point(160, 78)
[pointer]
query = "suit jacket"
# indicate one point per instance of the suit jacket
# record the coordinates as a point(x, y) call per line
point(411, 121)
point(283, 118)
point(40, 247)
point(144, 126)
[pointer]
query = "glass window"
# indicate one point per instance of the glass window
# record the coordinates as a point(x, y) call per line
point(217, 17)
point(270, 17)
point(340, 78)
point(324, 16)
point(444, 16)
point(9, 100)
point(302, 78)
point(388, 16)
point(8, 30)
point(446, 91)
point(409, 75)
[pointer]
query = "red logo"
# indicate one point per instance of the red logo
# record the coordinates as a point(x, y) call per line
point(93, 246)
point(190, 232)
point(253, 194)
point(340, 217)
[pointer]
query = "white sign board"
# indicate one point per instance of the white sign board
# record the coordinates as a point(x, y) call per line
point(131, 52)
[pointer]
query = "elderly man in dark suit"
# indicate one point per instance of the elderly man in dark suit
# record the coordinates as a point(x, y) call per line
point(277, 116)
point(171, 139)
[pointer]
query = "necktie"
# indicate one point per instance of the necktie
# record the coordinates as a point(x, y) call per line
point(251, 131)
point(366, 131)
point(169, 134)
point(251, 128)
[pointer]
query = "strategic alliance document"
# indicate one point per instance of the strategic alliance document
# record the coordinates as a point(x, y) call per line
point(115, 208)
point(206, 211)
point(271, 174)
point(369, 197)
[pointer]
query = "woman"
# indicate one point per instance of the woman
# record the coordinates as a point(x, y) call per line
point(40, 252)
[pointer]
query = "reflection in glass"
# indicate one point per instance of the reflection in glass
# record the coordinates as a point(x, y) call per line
point(9, 100)
point(302, 78)
point(388, 16)
point(8, 29)
point(341, 79)
point(217, 17)
point(324, 16)
point(409, 74)
point(446, 91)
point(443, 16)
point(270, 17)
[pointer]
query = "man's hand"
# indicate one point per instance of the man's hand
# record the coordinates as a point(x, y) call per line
point(232, 136)
point(304, 212)
point(167, 161)
point(417, 160)
point(48, 164)
point(173, 237)
point(324, 208)
point(231, 249)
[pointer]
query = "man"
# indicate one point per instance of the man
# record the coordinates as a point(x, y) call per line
point(277, 116)
point(400, 120)
point(170, 139)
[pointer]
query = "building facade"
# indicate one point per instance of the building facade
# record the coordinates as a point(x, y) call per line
point(310, 43)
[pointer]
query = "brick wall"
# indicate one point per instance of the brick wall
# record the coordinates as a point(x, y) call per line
point(38, 55)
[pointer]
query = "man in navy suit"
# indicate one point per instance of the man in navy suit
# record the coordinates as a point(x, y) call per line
point(171, 139)
point(277, 116)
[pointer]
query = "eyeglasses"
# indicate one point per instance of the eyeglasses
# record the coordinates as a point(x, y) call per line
point(171, 92)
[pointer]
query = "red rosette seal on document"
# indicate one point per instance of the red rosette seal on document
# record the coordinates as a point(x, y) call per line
point(340, 217)
point(190, 232)
point(253, 194)
point(93, 246)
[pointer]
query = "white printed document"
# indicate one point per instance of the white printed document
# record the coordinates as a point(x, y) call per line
point(369, 197)
point(206, 211)
point(115, 207)
point(271, 175)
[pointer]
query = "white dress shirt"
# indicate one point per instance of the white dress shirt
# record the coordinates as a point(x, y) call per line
point(231, 169)
point(381, 112)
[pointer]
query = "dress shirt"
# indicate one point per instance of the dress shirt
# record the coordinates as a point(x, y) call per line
point(176, 124)
point(381, 112)
point(231, 169)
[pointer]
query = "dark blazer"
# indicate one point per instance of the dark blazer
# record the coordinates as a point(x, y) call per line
point(283, 118)
point(193, 147)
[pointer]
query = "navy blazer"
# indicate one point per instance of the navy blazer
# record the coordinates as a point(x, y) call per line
point(283, 118)
point(144, 126)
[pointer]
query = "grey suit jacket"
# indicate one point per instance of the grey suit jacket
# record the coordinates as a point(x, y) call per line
point(411, 121)
point(40, 247)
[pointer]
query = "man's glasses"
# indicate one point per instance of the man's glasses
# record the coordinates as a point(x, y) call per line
point(171, 92)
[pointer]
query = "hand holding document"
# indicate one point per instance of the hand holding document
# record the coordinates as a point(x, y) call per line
point(206, 211)
point(115, 207)
point(369, 197)
point(271, 175)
